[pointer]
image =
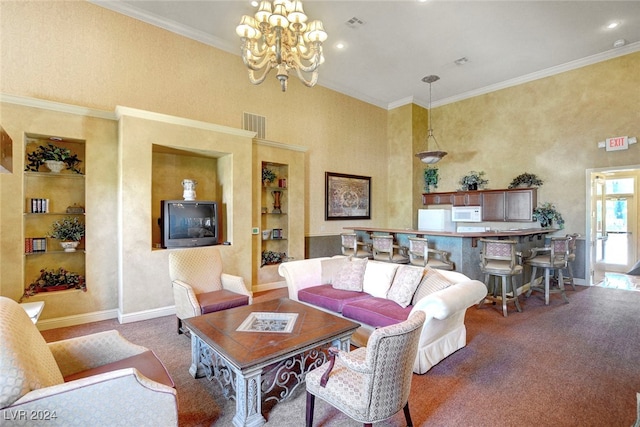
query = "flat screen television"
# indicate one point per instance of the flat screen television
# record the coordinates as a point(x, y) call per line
point(188, 223)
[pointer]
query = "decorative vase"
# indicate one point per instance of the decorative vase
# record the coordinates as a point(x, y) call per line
point(54, 166)
point(276, 201)
point(189, 186)
point(69, 246)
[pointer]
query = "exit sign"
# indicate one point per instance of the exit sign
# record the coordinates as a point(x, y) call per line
point(617, 143)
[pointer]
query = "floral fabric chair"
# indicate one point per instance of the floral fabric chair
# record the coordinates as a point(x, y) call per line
point(553, 260)
point(200, 286)
point(94, 380)
point(372, 383)
point(352, 247)
point(499, 258)
point(420, 254)
point(384, 249)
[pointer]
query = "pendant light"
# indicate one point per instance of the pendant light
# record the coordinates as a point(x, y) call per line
point(431, 157)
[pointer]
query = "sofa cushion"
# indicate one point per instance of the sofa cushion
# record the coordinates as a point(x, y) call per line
point(351, 275)
point(378, 278)
point(404, 284)
point(220, 300)
point(26, 362)
point(330, 267)
point(376, 312)
point(327, 297)
point(146, 362)
point(431, 282)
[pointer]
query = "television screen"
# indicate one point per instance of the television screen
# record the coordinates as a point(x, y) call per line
point(189, 223)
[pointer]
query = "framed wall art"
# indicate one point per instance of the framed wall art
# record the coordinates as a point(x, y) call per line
point(347, 196)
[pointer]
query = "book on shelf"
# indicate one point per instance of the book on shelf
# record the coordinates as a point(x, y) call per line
point(35, 245)
point(39, 205)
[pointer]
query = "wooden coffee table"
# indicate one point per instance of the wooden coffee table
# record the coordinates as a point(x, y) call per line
point(279, 341)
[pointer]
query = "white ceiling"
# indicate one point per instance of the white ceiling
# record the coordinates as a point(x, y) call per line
point(400, 42)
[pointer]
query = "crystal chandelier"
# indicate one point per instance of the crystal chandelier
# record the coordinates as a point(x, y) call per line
point(431, 157)
point(279, 37)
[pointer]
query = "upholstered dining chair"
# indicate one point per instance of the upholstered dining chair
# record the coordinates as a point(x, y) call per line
point(552, 259)
point(352, 247)
point(371, 383)
point(499, 258)
point(200, 286)
point(421, 254)
point(384, 249)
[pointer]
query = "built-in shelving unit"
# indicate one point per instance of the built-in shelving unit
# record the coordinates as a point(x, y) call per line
point(274, 215)
point(50, 197)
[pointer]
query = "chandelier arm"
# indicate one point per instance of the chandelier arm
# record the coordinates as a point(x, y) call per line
point(309, 83)
point(260, 79)
point(256, 66)
point(314, 62)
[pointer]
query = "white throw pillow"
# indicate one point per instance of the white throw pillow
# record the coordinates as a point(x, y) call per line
point(404, 284)
point(330, 267)
point(378, 278)
point(351, 275)
point(432, 281)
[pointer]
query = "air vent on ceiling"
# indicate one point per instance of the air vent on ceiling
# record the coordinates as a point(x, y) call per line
point(354, 22)
point(254, 123)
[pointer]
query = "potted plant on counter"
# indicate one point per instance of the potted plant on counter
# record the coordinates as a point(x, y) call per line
point(69, 230)
point(54, 157)
point(430, 178)
point(473, 181)
point(546, 214)
point(526, 180)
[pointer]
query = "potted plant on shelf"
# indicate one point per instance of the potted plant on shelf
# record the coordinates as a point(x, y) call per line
point(473, 181)
point(546, 213)
point(526, 180)
point(268, 176)
point(69, 230)
point(430, 178)
point(55, 280)
point(271, 258)
point(54, 157)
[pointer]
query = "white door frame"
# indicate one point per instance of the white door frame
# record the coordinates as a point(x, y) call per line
point(588, 211)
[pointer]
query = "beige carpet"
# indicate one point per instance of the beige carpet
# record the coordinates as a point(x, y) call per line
point(575, 364)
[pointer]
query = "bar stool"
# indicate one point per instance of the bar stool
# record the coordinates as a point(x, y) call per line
point(421, 254)
point(568, 280)
point(553, 259)
point(500, 259)
point(352, 247)
point(385, 250)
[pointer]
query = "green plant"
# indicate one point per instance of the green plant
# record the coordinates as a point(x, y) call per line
point(473, 180)
point(268, 175)
point(526, 179)
point(59, 278)
point(546, 213)
point(52, 152)
point(68, 229)
point(430, 178)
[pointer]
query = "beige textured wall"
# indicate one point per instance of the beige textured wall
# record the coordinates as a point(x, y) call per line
point(82, 54)
point(549, 127)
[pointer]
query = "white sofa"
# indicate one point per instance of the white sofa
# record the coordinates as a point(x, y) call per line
point(443, 332)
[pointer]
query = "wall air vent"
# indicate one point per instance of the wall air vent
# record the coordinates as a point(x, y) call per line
point(255, 123)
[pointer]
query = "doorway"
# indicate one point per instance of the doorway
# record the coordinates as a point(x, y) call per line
point(613, 203)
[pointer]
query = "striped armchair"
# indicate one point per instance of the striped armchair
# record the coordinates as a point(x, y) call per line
point(372, 383)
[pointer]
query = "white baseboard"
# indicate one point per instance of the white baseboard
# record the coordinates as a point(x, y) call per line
point(147, 314)
point(269, 286)
point(78, 319)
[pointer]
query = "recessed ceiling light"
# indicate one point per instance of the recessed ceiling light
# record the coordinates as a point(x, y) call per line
point(619, 43)
point(254, 3)
point(613, 25)
point(340, 45)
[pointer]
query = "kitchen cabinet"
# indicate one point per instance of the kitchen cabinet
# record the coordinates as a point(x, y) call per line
point(437, 199)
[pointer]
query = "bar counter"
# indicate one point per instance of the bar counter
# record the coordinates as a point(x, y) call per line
point(463, 247)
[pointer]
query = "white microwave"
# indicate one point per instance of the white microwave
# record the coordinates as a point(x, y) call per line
point(466, 214)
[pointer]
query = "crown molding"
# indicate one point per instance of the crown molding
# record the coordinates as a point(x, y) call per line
point(275, 144)
point(56, 106)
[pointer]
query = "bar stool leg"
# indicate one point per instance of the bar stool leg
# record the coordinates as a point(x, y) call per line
point(514, 289)
point(504, 295)
point(547, 279)
point(561, 286)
